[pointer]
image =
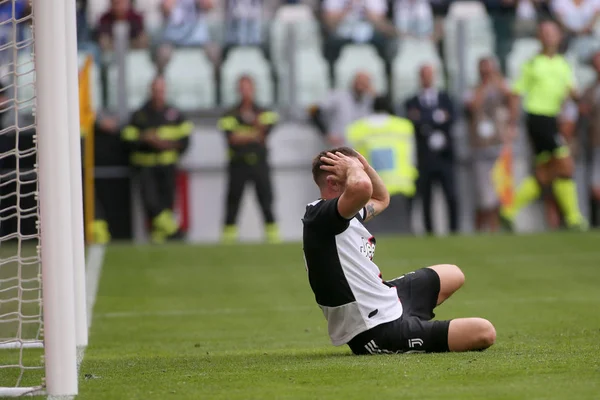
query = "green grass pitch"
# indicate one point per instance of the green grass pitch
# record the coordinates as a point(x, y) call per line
point(240, 322)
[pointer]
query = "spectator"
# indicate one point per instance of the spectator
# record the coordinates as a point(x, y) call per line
point(414, 18)
point(502, 13)
point(342, 107)
point(590, 109)
point(122, 11)
point(158, 134)
point(246, 127)
point(488, 110)
point(388, 144)
point(243, 21)
point(432, 113)
point(578, 19)
point(356, 21)
point(185, 25)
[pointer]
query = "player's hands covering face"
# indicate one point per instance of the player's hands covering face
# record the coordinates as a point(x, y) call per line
point(339, 165)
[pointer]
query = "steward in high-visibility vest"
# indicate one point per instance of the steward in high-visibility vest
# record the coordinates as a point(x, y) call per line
point(158, 134)
point(388, 144)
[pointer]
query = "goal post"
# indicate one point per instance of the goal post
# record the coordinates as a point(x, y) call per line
point(54, 174)
point(42, 269)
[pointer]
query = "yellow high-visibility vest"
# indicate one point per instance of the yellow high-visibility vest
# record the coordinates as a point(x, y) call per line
point(388, 144)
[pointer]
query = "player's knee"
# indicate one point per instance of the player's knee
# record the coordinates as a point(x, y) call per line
point(457, 275)
point(486, 334)
point(564, 167)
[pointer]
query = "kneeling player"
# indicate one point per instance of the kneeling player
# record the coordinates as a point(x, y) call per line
point(370, 315)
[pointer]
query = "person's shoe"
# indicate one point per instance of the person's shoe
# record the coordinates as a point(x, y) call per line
point(580, 226)
point(158, 237)
point(230, 234)
point(272, 232)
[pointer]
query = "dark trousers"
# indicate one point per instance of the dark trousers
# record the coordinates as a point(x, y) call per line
point(442, 172)
point(158, 188)
point(239, 174)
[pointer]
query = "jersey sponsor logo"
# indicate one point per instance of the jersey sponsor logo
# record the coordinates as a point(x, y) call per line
point(368, 247)
point(412, 343)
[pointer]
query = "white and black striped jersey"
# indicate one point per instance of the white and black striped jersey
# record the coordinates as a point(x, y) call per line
point(346, 282)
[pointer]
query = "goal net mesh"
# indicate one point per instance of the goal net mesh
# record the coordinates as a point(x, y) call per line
point(21, 328)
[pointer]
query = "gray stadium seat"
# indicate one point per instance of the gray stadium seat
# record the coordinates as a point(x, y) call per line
point(312, 78)
point(355, 58)
point(139, 74)
point(305, 28)
point(405, 67)
point(522, 50)
point(190, 80)
point(246, 61)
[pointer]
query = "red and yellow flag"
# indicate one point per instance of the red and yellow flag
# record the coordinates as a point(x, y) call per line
point(502, 176)
point(86, 107)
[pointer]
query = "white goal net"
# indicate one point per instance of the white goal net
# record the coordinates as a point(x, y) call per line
point(21, 328)
point(42, 290)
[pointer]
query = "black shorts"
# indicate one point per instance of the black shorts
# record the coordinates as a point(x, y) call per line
point(414, 331)
point(545, 137)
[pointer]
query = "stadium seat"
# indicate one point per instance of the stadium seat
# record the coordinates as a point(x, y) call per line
point(584, 76)
point(293, 13)
point(355, 58)
point(405, 68)
point(190, 80)
point(471, 73)
point(139, 74)
point(478, 38)
point(522, 50)
point(307, 35)
point(312, 79)
point(246, 61)
point(467, 10)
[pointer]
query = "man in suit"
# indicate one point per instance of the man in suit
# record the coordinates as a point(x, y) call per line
point(432, 113)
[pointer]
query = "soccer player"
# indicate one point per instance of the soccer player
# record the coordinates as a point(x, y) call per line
point(369, 314)
point(546, 81)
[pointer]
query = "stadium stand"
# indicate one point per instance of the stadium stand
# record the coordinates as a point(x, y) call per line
point(356, 58)
point(140, 70)
point(246, 61)
point(190, 88)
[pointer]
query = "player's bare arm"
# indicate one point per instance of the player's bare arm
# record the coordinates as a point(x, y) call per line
point(350, 173)
point(380, 199)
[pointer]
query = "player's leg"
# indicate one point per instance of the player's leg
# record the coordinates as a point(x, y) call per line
point(451, 279)
point(539, 128)
point(565, 189)
point(237, 175)
point(467, 334)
